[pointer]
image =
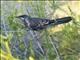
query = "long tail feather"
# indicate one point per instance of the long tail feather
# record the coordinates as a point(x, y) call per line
point(63, 20)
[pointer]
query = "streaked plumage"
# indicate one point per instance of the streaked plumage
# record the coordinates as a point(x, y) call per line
point(40, 23)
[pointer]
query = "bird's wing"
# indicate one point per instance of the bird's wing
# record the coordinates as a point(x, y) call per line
point(38, 23)
point(41, 21)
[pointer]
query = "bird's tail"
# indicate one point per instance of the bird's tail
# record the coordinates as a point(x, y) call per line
point(63, 20)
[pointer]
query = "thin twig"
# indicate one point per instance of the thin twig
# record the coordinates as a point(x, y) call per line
point(4, 26)
point(11, 31)
point(34, 36)
point(56, 50)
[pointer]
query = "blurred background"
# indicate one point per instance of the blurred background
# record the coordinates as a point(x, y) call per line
point(60, 42)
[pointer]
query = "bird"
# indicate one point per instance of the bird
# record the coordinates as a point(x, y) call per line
point(35, 23)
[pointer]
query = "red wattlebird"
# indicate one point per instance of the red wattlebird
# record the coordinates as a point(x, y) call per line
point(41, 23)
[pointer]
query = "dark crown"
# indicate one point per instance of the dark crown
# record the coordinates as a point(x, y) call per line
point(23, 16)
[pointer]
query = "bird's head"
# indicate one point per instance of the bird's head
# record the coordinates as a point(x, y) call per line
point(22, 17)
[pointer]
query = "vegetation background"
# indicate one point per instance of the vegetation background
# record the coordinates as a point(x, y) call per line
point(60, 42)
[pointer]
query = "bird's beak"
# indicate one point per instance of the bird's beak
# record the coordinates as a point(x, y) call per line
point(21, 18)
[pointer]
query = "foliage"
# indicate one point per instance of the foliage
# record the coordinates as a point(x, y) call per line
point(63, 44)
point(6, 55)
